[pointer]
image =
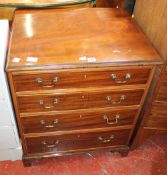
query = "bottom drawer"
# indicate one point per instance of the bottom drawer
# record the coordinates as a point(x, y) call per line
point(69, 142)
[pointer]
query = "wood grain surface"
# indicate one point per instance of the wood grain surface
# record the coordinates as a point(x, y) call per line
point(158, 116)
point(151, 16)
point(77, 141)
point(162, 92)
point(79, 100)
point(99, 38)
point(109, 3)
point(148, 132)
point(76, 120)
point(7, 13)
point(80, 78)
point(94, 64)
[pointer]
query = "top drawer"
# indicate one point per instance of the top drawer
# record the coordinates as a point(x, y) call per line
point(80, 78)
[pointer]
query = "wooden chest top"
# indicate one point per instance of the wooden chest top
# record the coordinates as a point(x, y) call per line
point(59, 38)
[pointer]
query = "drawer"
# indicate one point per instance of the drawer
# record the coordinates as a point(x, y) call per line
point(158, 116)
point(79, 79)
point(60, 143)
point(79, 100)
point(162, 93)
point(78, 120)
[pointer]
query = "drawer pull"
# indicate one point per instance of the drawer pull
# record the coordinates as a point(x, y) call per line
point(55, 101)
point(117, 116)
point(50, 145)
point(127, 77)
point(43, 122)
point(40, 82)
point(106, 140)
point(121, 99)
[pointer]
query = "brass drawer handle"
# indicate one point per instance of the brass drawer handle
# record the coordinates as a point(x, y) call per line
point(41, 82)
point(127, 77)
point(106, 140)
point(50, 145)
point(117, 116)
point(55, 101)
point(55, 121)
point(121, 99)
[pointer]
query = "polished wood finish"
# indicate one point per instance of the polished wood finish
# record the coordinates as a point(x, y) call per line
point(110, 3)
point(28, 160)
point(76, 120)
point(154, 120)
point(74, 105)
point(7, 13)
point(158, 116)
point(70, 142)
point(151, 17)
point(162, 93)
point(79, 78)
point(75, 45)
point(148, 132)
point(80, 100)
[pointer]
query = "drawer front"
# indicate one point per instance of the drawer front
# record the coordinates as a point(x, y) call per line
point(158, 116)
point(80, 79)
point(71, 101)
point(77, 141)
point(162, 93)
point(78, 120)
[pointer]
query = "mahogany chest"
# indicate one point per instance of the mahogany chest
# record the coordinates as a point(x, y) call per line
point(79, 80)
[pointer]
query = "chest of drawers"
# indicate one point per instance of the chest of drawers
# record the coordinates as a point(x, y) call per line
point(78, 84)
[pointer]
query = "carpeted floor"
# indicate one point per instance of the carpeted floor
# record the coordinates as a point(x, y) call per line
point(149, 159)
